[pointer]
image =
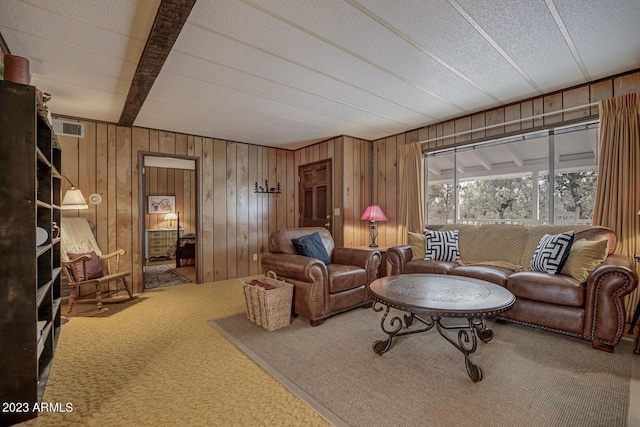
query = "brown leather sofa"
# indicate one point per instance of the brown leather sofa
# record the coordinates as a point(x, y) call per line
point(593, 310)
point(322, 290)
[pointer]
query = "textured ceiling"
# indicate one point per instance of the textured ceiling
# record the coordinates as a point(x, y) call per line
point(288, 73)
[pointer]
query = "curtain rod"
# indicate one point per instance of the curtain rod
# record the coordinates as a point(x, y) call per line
point(511, 122)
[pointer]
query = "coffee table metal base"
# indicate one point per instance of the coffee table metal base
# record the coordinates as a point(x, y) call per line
point(467, 336)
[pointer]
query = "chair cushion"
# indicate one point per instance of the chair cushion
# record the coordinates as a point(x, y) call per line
point(94, 267)
point(552, 252)
point(345, 277)
point(311, 246)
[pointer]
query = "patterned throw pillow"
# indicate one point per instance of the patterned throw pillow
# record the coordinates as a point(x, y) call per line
point(441, 245)
point(552, 252)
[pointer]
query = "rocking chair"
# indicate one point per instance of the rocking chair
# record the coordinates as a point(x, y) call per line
point(84, 264)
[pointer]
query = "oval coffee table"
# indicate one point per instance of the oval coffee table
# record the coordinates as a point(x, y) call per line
point(438, 296)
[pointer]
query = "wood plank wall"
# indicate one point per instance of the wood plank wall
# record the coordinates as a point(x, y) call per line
point(235, 221)
point(386, 173)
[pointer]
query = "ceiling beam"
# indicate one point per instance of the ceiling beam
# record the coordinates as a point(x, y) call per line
point(482, 159)
point(170, 18)
point(517, 159)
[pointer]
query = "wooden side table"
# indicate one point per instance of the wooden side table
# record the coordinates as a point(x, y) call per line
point(636, 314)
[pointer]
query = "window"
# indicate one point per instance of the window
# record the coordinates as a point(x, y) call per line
point(441, 190)
point(507, 181)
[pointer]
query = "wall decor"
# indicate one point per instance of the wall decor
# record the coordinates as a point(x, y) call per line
point(161, 204)
point(266, 189)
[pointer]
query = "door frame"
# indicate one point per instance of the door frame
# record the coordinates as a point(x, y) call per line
point(142, 209)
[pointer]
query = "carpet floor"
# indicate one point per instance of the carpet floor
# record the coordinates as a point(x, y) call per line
point(531, 377)
point(161, 276)
point(154, 361)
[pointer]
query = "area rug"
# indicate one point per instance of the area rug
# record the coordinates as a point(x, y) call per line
point(530, 377)
point(161, 275)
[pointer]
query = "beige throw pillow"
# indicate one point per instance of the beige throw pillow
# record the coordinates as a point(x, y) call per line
point(584, 257)
point(417, 242)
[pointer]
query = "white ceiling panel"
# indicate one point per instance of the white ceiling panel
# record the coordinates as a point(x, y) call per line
point(203, 72)
point(287, 73)
point(528, 34)
point(605, 33)
point(463, 51)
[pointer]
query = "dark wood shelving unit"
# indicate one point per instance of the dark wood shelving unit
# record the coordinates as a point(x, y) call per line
point(30, 274)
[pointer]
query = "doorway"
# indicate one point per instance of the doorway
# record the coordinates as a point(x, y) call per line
point(169, 217)
point(316, 195)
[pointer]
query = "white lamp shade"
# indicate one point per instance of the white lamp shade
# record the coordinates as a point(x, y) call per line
point(170, 216)
point(73, 199)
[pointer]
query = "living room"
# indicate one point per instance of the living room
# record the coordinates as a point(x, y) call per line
point(232, 222)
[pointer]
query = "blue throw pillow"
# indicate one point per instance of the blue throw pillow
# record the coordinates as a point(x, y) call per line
point(311, 246)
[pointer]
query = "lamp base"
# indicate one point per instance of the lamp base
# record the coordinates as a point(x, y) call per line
point(373, 233)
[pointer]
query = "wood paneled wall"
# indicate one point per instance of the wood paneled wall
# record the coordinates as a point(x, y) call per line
point(235, 222)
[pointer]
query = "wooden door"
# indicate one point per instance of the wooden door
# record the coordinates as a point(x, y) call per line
point(315, 195)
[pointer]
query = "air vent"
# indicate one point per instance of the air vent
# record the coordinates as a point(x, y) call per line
point(66, 128)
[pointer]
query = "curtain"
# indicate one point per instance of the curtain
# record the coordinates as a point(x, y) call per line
point(618, 189)
point(411, 191)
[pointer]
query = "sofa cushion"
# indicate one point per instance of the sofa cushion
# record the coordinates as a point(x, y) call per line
point(554, 289)
point(417, 243)
point(311, 246)
point(421, 266)
point(441, 245)
point(552, 252)
point(345, 277)
point(492, 242)
point(497, 275)
point(584, 257)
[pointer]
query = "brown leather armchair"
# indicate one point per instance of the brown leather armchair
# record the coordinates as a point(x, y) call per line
point(322, 290)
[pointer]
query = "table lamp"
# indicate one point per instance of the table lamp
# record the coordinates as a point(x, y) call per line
point(373, 213)
point(171, 216)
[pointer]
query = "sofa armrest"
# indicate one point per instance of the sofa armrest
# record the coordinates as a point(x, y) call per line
point(295, 267)
point(309, 277)
point(363, 258)
point(605, 291)
point(398, 256)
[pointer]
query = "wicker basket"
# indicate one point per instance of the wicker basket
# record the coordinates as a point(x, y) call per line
point(269, 308)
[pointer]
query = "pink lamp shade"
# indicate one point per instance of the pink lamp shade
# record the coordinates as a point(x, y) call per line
point(373, 213)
